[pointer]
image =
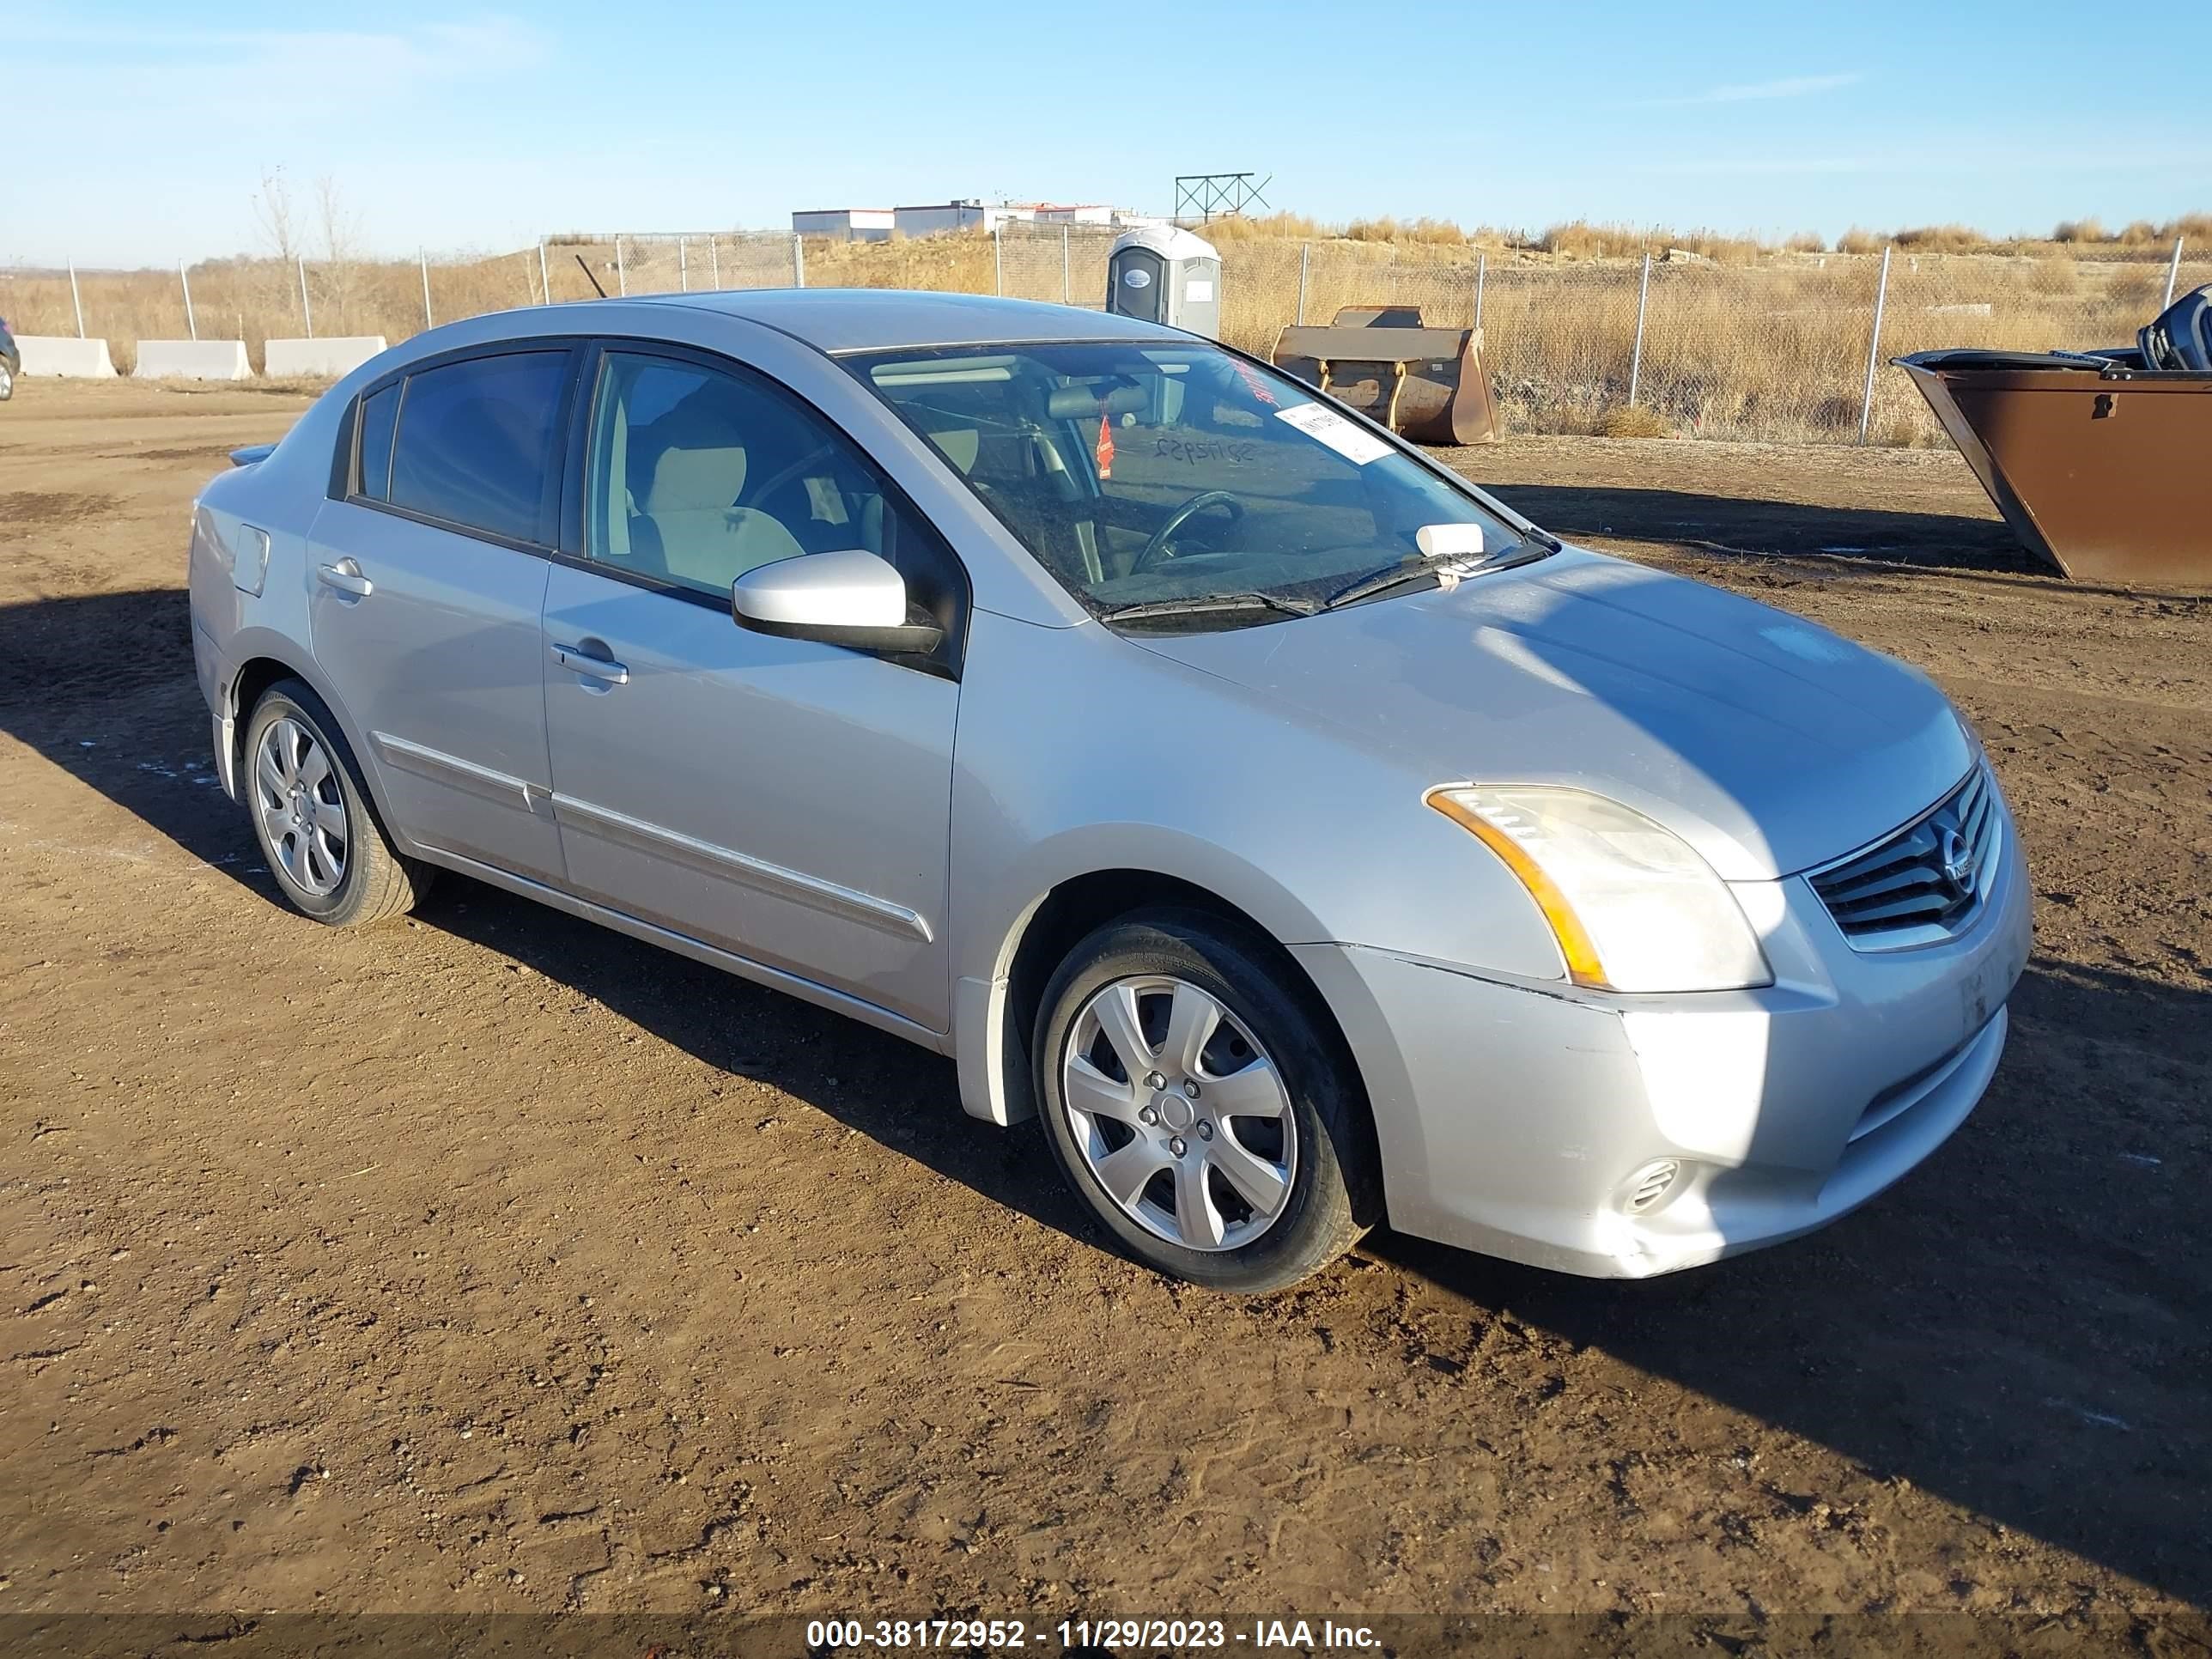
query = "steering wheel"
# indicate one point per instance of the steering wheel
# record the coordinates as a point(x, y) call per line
point(784, 475)
point(1197, 504)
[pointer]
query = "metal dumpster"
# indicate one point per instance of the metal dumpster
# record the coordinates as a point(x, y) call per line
point(1427, 383)
point(2099, 466)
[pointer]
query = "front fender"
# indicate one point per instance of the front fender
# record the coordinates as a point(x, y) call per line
point(990, 1053)
point(1079, 752)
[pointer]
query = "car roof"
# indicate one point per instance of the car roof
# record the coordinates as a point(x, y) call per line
point(838, 320)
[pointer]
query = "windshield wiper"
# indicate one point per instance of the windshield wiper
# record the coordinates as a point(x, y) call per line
point(1405, 574)
point(1200, 604)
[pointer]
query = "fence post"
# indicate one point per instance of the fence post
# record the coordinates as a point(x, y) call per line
point(998, 258)
point(683, 266)
point(621, 271)
point(1066, 276)
point(1636, 357)
point(1481, 270)
point(76, 302)
point(2172, 273)
point(798, 261)
point(544, 278)
point(714, 261)
point(185, 280)
point(1874, 348)
point(307, 311)
point(423, 259)
point(1305, 261)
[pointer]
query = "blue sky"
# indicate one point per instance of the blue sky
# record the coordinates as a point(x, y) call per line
point(458, 128)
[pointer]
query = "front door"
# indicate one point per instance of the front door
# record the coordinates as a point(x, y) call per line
point(426, 587)
point(783, 799)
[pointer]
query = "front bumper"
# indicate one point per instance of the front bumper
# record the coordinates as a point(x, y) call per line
point(1515, 1118)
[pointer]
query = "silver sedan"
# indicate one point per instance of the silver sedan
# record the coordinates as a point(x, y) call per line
point(1301, 836)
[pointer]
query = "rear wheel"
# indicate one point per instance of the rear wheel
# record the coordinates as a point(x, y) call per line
point(310, 814)
point(1194, 1104)
point(7, 382)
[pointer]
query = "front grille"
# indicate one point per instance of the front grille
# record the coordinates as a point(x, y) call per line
point(1925, 882)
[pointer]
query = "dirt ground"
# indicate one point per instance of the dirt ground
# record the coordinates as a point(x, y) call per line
point(489, 1262)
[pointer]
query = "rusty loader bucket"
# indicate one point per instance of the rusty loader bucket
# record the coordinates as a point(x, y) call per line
point(1427, 383)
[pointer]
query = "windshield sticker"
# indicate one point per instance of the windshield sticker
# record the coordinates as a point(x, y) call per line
point(1326, 426)
point(1105, 451)
point(1261, 391)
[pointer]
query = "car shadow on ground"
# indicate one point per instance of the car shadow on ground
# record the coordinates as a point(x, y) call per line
point(1684, 518)
point(2022, 1327)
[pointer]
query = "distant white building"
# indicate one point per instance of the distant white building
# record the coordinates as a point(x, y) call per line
point(847, 224)
point(1085, 213)
point(932, 218)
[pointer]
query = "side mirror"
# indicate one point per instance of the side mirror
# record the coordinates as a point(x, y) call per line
point(852, 599)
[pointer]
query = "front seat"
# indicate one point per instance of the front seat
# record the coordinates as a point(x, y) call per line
point(700, 537)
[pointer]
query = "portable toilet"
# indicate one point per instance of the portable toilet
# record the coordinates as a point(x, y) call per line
point(1166, 275)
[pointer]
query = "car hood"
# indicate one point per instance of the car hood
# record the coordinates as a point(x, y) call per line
point(1768, 743)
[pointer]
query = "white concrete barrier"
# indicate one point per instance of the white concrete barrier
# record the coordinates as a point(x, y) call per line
point(192, 359)
point(320, 359)
point(57, 354)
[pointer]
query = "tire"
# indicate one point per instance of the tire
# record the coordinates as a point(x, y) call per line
point(333, 862)
point(7, 382)
point(1272, 1097)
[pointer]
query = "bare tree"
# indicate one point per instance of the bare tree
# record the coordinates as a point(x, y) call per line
point(342, 271)
point(272, 211)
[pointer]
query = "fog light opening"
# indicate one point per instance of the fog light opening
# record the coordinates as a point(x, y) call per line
point(1651, 1186)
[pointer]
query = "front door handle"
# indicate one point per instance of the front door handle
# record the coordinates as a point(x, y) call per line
point(345, 576)
point(577, 660)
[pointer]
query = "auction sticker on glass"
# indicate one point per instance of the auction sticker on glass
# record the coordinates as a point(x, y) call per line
point(1327, 426)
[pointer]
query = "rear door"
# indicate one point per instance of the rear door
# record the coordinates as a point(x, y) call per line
point(786, 800)
point(428, 583)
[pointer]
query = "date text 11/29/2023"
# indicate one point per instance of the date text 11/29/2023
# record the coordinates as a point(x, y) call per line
point(1006, 1635)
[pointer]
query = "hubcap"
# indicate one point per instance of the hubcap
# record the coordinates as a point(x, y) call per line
point(1145, 1058)
point(302, 808)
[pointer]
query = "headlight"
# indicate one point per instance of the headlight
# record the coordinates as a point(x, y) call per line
point(1633, 908)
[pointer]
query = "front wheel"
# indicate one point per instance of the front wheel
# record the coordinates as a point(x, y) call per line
point(1193, 1103)
point(6, 383)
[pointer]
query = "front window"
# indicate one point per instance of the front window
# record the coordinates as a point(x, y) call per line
point(1146, 475)
point(695, 475)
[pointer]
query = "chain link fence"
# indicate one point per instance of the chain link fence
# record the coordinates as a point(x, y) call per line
point(1778, 350)
point(1775, 349)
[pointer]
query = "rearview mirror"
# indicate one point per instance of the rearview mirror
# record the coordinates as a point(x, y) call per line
point(852, 599)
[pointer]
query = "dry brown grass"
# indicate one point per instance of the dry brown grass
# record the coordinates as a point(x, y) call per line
point(252, 299)
point(1746, 340)
point(1273, 227)
point(1634, 422)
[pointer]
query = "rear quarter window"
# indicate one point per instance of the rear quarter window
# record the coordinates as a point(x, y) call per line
point(475, 443)
point(379, 417)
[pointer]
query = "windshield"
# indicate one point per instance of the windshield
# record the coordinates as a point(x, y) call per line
point(1148, 475)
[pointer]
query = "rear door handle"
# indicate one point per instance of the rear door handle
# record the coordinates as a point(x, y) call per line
point(577, 660)
point(345, 576)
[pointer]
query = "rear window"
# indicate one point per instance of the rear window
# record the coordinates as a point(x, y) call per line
point(475, 443)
